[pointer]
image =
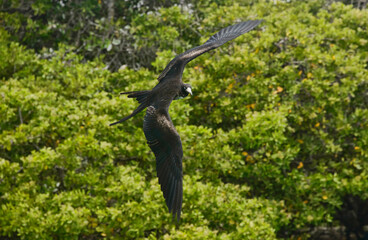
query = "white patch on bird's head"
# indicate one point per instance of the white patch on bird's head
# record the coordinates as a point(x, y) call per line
point(185, 90)
point(188, 90)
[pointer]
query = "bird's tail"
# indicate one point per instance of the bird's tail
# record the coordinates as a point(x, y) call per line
point(142, 97)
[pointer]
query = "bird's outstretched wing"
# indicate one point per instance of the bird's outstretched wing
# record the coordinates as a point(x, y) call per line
point(176, 65)
point(165, 143)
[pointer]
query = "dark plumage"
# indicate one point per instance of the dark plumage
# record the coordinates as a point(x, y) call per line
point(162, 137)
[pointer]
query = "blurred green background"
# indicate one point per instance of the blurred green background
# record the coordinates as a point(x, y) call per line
point(275, 138)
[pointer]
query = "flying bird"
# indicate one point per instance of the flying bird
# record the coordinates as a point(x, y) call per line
point(161, 135)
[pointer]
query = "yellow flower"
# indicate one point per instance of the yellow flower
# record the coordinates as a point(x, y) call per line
point(300, 165)
point(250, 106)
point(228, 89)
point(324, 197)
point(244, 153)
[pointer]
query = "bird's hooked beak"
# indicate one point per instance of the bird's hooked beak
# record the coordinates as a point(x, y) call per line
point(189, 90)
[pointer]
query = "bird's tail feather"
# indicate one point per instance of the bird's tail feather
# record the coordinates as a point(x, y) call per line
point(142, 97)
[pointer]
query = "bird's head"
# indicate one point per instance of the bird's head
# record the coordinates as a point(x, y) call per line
point(186, 89)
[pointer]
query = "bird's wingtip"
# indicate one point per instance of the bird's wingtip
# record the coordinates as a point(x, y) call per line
point(258, 21)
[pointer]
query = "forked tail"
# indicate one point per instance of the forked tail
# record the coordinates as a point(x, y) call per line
point(142, 97)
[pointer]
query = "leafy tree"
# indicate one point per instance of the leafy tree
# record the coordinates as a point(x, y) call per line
point(274, 138)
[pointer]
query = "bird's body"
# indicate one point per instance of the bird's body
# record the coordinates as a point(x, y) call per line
point(161, 135)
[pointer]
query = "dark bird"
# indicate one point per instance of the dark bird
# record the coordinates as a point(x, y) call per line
point(161, 135)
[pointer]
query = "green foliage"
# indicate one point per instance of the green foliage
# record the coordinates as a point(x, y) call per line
point(274, 138)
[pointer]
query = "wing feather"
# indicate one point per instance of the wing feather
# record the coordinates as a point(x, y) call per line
point(165, 143)
point(218, 39)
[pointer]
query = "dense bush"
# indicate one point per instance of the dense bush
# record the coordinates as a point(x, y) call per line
point(275, 137)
